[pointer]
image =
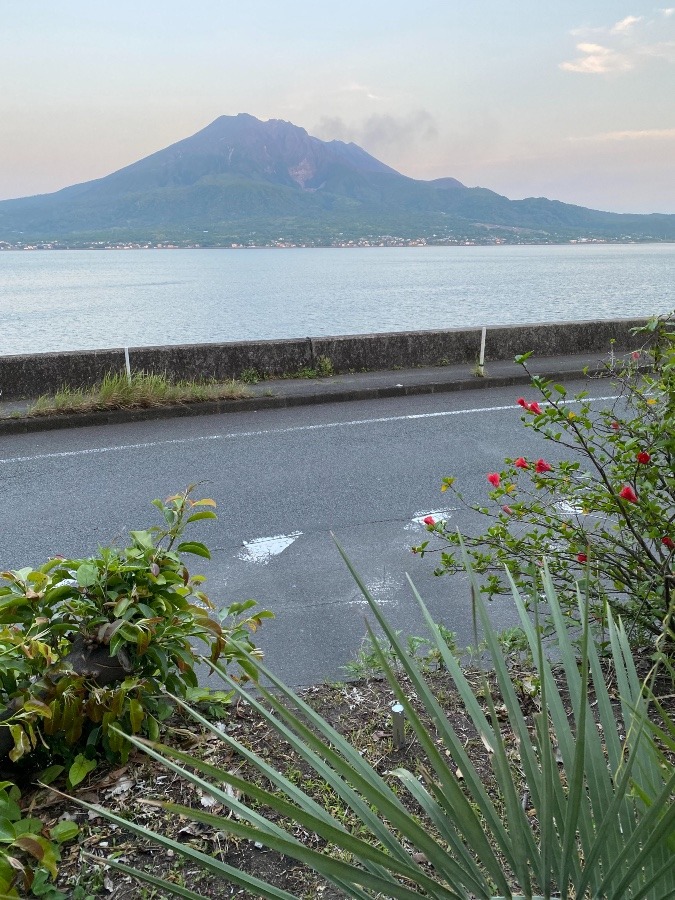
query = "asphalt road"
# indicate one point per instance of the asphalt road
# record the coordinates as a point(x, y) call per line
point(283, 480)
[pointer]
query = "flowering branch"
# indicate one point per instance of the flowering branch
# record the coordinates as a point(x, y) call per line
point(606, 515)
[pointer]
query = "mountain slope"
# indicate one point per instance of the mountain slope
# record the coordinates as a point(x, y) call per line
point(240, 177)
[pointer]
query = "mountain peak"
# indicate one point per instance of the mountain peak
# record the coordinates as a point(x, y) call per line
point(240, 176)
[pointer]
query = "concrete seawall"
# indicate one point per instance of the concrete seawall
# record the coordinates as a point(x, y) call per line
point(29, 376)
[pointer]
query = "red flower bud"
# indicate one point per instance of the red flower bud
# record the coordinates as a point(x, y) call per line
point(643, 457)
point(627, 493)
point(507, 510)
point(668, 542)
point(494, 479)
point(521, 401)
point(535, 408)
point(521, 463)
point(615, 426)
point(582, 558)
point(635, 354)
point(429, 520)
point(542, 466)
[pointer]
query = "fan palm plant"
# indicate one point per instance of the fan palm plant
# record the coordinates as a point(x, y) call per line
point(600, 821)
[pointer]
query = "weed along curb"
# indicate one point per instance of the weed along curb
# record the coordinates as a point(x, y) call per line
point(291, 392)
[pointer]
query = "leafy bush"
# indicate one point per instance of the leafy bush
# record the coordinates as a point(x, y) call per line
point(88, 643)
point(582, 809)
point(606, 514)
point(29, 854)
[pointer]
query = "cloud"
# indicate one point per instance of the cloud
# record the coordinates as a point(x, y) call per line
point(625, 25)
point(626, 45)
point(662, 50)
point(381, 133)
point(598, 60)
point(649, 134)
point(398, 131)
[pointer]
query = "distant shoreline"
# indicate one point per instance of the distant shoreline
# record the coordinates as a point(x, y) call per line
point(41, 247)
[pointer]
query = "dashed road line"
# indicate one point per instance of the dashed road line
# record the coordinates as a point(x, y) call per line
point(234, 435)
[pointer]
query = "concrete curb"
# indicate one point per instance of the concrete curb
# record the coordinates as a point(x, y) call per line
point(337, 393)
point(33, 375)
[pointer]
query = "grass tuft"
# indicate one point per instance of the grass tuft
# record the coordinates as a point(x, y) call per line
point(142, 390)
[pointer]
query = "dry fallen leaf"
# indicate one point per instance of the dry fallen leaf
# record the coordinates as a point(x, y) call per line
point(123, 786)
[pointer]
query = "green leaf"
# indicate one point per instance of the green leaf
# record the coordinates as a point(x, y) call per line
point(143, 539)
point(80, 768)
point(41, 849)
point(64, 831)
point(122, 606)
point(47, 776)
point(87, 574)
point(7, 832)
point(136, 715)
point(202, 514)
point(39, 706)
point(194, 547)
point(43, 887)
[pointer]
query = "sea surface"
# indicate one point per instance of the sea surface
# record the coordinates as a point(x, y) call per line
point(89, 299)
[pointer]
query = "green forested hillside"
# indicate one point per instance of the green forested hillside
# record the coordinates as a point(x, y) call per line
point(242, 180)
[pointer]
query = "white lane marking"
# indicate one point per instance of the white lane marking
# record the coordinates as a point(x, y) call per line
point(233, 435)
point(261, 550)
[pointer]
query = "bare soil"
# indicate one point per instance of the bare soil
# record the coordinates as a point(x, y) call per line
point(360, 710)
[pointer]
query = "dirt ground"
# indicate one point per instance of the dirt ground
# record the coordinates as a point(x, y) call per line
point(360, 710)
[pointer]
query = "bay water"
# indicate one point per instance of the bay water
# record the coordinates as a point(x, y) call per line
point(92, 299)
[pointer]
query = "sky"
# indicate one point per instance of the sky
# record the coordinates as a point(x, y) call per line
point(574, 101)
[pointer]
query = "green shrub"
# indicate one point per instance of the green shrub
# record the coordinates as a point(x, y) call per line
point(582, 810)
point(90, 643)
point(606, 513)
point(29, 853)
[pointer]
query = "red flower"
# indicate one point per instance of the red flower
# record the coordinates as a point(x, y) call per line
point(531, 407)
point(429, 520)
point(494, 479)
point(542, 466)
point(615, 426)
point(635, 354)
point(627, 493)
point(521, 463)
point(582, 558)
point(507, 510)
point(668, 542)
point(643, 457)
